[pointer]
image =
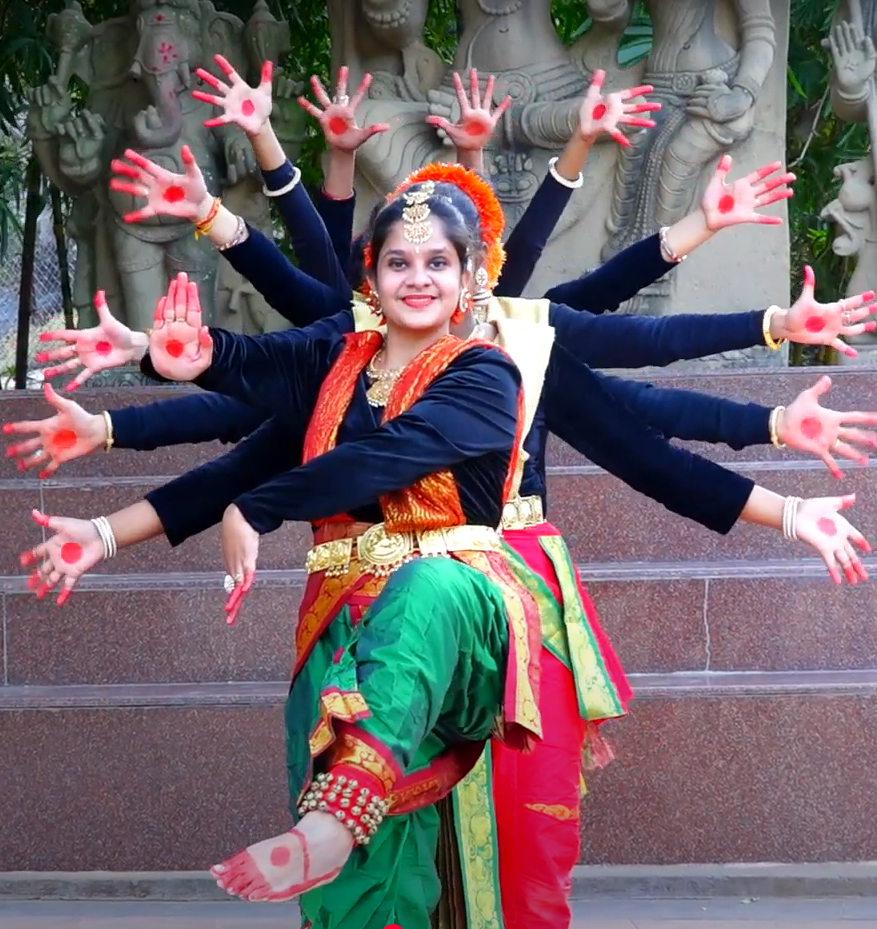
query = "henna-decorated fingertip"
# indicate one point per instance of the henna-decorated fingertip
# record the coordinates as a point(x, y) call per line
point(8, 428)
point(27, 558)
point(809, 277)
point(63, 596)
point(39, 518)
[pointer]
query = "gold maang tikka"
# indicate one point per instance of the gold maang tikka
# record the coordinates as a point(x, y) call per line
point(416, 222)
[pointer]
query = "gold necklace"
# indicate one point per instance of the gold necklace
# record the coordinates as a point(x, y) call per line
point(382, 382)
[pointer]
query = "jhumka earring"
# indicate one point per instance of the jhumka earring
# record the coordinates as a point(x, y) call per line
point(480, 297)
point(464, 305)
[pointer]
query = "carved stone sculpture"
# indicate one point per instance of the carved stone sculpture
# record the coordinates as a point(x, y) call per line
point(717, 67)
point(139, 70)
point(708, 82)
point(854, 99)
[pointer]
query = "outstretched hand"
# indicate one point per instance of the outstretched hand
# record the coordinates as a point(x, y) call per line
point(240, 551)
point(731, 204)
point(180, 347)
point(477, 120)
point(337, 118)
point(73, 550)
point(247, 107)
point(110, 344)
point(166, 193)
point(69, 434)
point(812, 323)
point(820, 525)
point(808, 427)
point(603, 113)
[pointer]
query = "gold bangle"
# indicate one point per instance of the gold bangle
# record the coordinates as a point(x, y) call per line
point(769, 340)
point(772, 424)
point(148, 333)
point(108, 421)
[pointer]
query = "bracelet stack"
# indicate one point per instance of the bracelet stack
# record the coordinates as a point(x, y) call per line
point(790, 518)
point(240, 234)
point(105, 531)
point(564, 181)
point(667, 253)
point(108, 421)
point(773, 424)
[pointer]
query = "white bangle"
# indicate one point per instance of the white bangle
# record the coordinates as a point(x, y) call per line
point(790, 518)
point(564, 181)
point(105, 532)
point(286, 188)
point(108, 425)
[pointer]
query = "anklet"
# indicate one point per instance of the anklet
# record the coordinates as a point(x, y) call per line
point(358, 808)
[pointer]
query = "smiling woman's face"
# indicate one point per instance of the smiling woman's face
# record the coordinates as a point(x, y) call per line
point(419, 285)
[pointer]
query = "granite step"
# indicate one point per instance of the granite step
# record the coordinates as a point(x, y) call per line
point(684, 617)
point(710, 767)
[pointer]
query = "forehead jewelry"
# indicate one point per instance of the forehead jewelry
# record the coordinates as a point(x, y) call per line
point(416, 223)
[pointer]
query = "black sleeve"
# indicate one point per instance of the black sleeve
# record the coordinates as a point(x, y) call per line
point(337, 215)
point(527, 240)
point(468, 411)
point(619, 279)
point(200, 417)
point(621, 341)
point(612, 437)
point(691, 415)
point(197, 500)
point(312, 242)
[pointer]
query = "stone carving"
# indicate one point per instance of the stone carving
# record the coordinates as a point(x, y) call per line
point(854, 99)
point(139, 70)
point(708, 82)
point(715, 67)
point(854, 212)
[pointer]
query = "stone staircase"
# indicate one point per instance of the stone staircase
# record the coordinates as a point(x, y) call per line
point(140, 733)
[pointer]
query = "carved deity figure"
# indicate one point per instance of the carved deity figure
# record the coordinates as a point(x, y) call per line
point(854, 99)
point(515, 40)
point(708, 63)
point(139, 70)
point(854, 212)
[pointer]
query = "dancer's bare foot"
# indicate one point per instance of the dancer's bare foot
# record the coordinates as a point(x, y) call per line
point(281, 868)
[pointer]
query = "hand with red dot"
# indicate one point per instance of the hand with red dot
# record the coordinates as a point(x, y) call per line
point(727, 204)
point(166, 193)
point(246, 107)
point(73, 550)
point(820, 525)
point(812, 323)
point(337, 118)
point(603, 113)
point(66, 436)
point(240, 551)
point(180, 347)
point(808, 427)
point(477, 121)
point(110, 344)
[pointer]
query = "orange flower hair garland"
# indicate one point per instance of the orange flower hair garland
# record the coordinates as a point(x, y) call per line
point(480, 193)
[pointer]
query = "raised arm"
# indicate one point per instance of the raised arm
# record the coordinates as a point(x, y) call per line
point(336, 199)
point(600, 115)
point(723, 205)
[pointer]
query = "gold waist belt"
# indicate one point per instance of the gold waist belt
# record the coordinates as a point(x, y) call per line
point(381, 552)
point(522, 512)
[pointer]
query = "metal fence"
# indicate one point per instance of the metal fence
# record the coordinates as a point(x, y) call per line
point(46, 311)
